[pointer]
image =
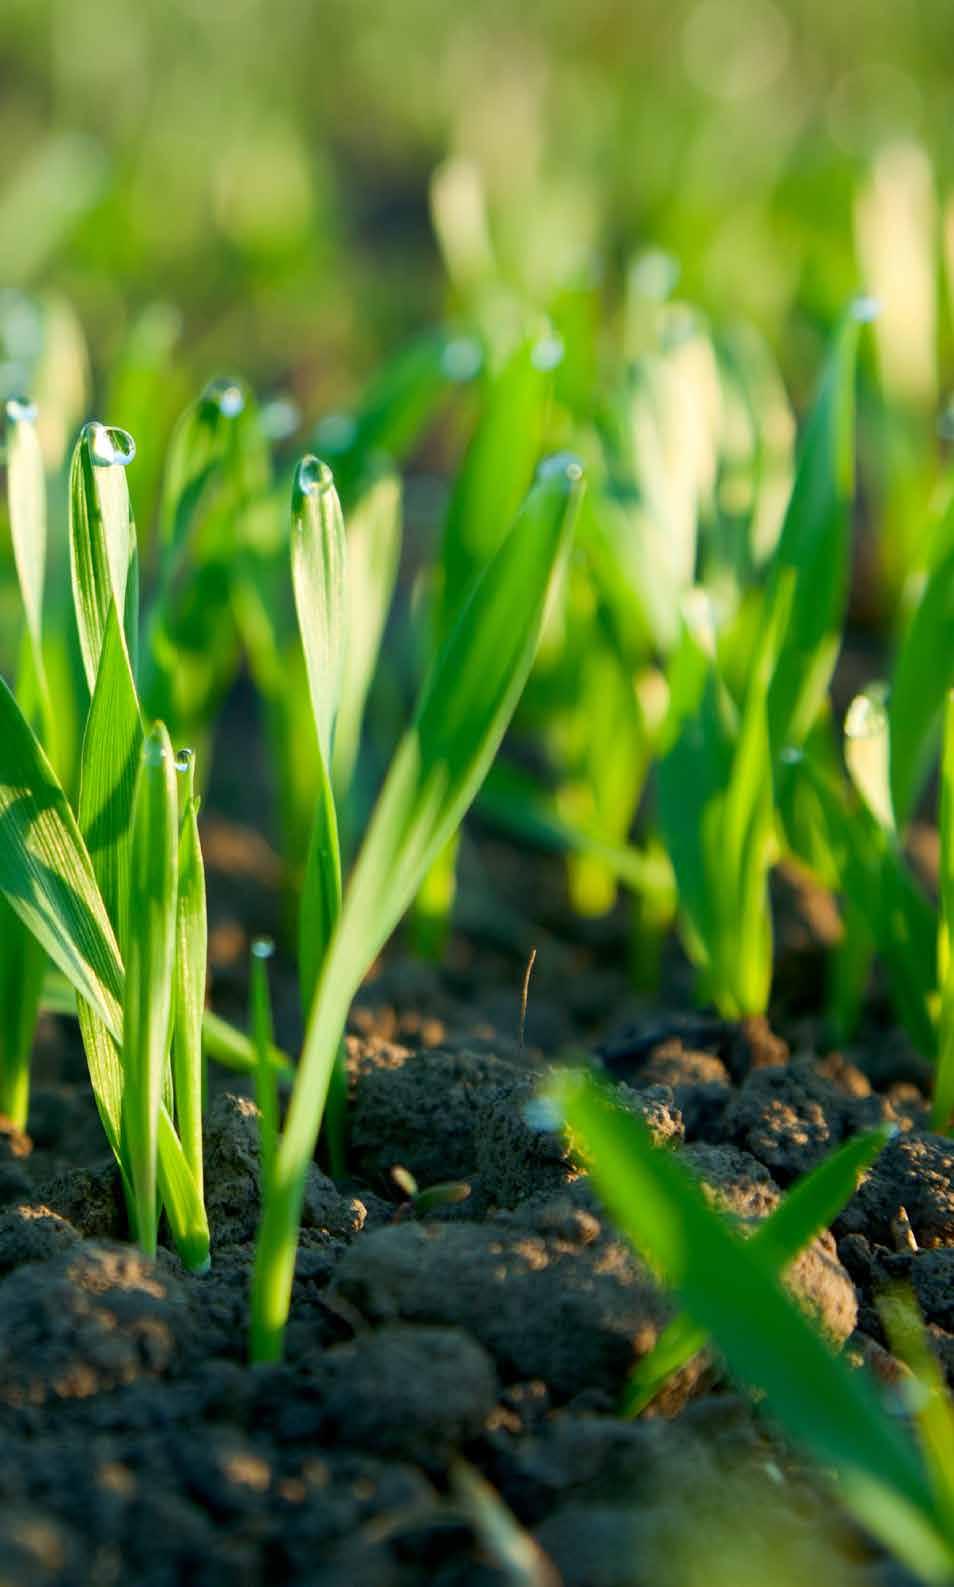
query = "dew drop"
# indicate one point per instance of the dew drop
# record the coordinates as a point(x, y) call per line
point(865, 308)
point(654, 275)
point(547, 353)
point(313, 476)
point(108, 445)
point(336, 432)
point(791, 755)
point(20, 410)
point(280, 418)
point(184, 759)
point(562, 465)
point(865, 717)
point(227, 395)
point(263, 948)
point(462, 358)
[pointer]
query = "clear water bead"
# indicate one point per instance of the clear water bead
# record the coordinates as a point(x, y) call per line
point(184, 759)
point(462, 358)
point(547, 353)
point(313, 476)
point(20, 410)
point(108, 445)
point(263, 948)
point(865, 308)
point(562, 465)
point(227, 395)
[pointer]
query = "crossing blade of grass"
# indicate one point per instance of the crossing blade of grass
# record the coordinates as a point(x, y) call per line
point(104, 560)
point(809, 1207)
point(814, 544)
point(147, 1009)
point(465, 707)
point(730, 1287)
point(26, 504)
point(190, 974)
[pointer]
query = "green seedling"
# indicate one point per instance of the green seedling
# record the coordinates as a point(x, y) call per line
point(420, 1203)
point(730, 1287)
point(805, 1212)
point(464, 709)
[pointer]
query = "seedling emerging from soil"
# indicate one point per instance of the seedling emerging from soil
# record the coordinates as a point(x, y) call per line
point(99, 890)
point(464, 709)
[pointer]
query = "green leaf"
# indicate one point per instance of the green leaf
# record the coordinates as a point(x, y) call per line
point(112, 746)
point(814, 544)
point(465, 706)
point(810, 1206)
point(150, 970)
point(918, 686)
point(495, 475)
point(266, 1088)
point(22, 969)
point(190, 975)
point(104, 561)
point(942, 1111)
point(318, 577)
point(730, 1287)
point(373, 552)
point(46, 872)
point(26, 499)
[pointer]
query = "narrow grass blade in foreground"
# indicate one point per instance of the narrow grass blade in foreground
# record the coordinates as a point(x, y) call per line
point(147, 1011)
point(730, 1287)
point(809, 1207)
point(190, 973)
point(465, 707)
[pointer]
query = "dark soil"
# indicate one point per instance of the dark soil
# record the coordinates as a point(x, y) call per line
point(493, 1335)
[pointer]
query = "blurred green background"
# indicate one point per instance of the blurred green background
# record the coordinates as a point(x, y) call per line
point(266, 165)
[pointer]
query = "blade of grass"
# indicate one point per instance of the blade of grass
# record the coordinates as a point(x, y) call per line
point(943, 1105)
point(190, 974)
point(104, 562)
point(465, 707)
point(730, 1287)
point(810, 1206)
point(147, 1009)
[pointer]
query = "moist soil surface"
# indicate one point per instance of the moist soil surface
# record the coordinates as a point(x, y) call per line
point(441, 1361)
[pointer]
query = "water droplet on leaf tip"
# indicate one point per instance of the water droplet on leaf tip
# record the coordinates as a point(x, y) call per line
point(227, 395)
point(562, 465)
point(547, 353)
point(462, 358)
point(314, 476)
point(865, 308)
point(20, 410)
point(184, 759)
point(263, 947)
point(110, 445)
point(791, 755)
